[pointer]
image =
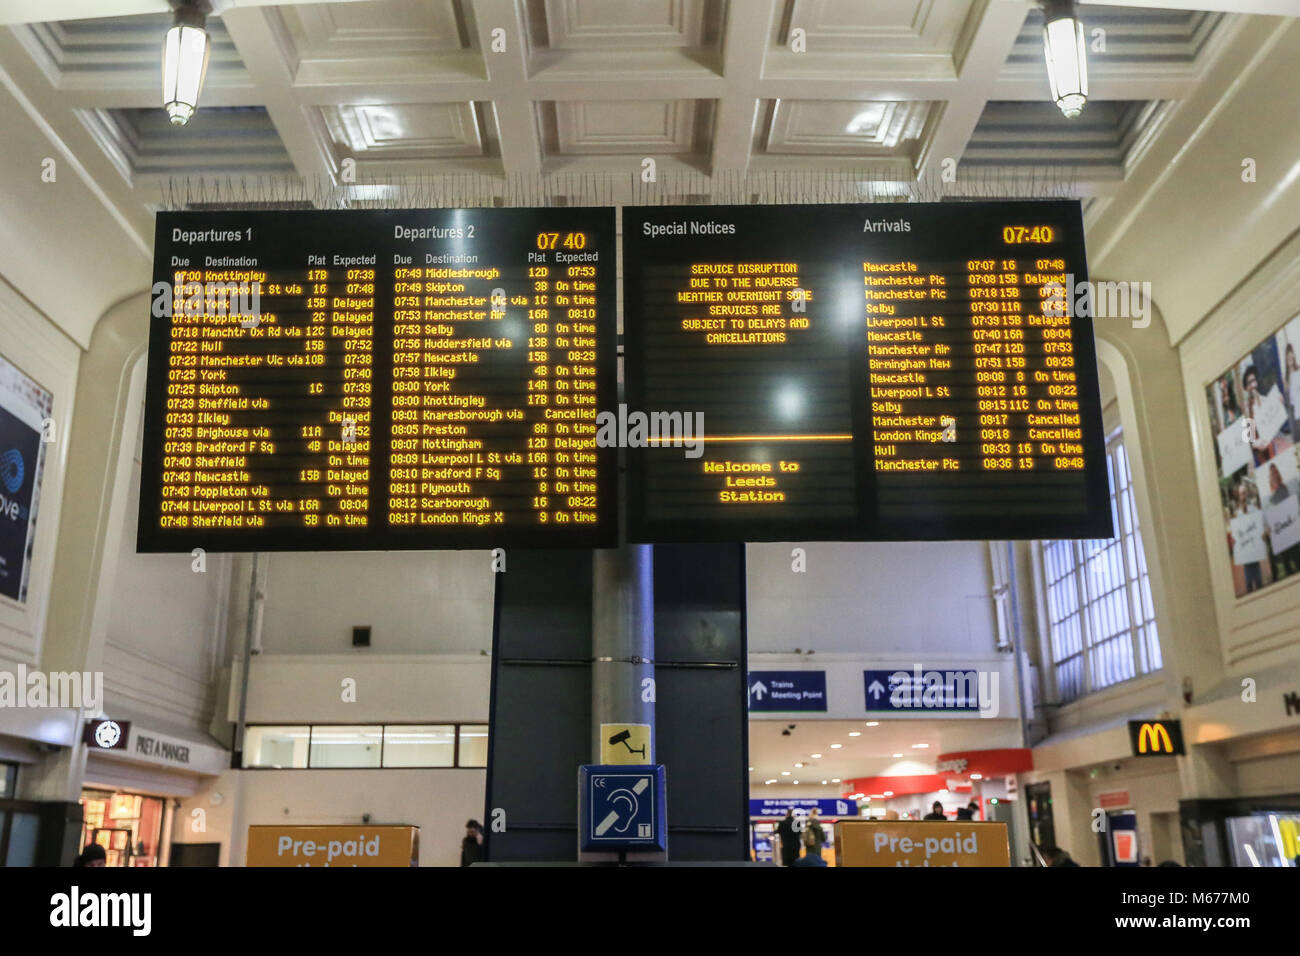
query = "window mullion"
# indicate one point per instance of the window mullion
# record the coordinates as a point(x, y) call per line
point(1098, 595)
point(1046, 614)
point(1124, 509)
point(1085, 612)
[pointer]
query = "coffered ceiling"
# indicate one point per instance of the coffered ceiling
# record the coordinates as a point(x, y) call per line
point(566, 93)
point(497, 87)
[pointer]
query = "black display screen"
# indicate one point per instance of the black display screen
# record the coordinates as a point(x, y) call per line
point(863, 372)
point(372, 380)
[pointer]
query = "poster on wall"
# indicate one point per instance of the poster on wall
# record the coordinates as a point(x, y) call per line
point(1281, 496)
point(24, 406)
point(1232, 444)
point(1260, 375)
point(1253, 416)
point(1288, 347)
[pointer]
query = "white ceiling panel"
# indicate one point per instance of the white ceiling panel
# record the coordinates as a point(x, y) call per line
point(1128, 37)
point(429, 130)
point(847, 128)
point(145, 146)
point(376, 42)
point(614, 24)
point(531, 87)
point(888, 27)
point(1102, 138)
point(120, 53)
point(379, 28)
point(851, 41)
point(621, 127)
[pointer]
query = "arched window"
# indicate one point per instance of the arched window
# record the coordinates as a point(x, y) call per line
point(1100, 615)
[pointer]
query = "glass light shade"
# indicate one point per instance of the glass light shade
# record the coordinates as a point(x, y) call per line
point(185, 62)
point(1067, 64)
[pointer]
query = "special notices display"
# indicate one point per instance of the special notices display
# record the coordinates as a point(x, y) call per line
point(870, 372)
point(371, 380)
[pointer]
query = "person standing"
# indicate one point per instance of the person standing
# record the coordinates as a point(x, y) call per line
point(936, 812)
point(1278, 493)
point(1291, 371)
point(812, 854)
point(817, 830)
point(92, 855)
point(786, 832)
point(1057, 857)
point(1254, 574)
point(471, 847)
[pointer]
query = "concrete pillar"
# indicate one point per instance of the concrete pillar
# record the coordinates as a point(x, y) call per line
point(622, 641)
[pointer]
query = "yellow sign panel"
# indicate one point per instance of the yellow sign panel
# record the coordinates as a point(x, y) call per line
point(920, 843)
point(1158, 738)
point(625, 743)
point(333, 846)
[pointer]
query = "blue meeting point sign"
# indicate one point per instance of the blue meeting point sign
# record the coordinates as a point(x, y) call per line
point(787, 690)
point(621, 807)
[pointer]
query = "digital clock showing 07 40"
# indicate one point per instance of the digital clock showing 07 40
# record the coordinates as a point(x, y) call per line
point(1017, 234)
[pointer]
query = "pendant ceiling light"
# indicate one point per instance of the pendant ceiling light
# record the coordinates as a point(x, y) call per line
point(1067, 62)
point(185, 60)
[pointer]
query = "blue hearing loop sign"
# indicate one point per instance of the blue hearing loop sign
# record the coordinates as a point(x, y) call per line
point(622, 807)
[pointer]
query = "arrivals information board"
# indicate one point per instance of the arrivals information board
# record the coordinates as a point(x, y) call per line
point(892, 372)
point(365, 380)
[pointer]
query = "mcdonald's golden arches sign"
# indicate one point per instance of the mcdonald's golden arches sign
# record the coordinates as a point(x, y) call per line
point(1156, 738)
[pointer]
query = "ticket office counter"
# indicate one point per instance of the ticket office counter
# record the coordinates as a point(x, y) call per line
point(765, 844)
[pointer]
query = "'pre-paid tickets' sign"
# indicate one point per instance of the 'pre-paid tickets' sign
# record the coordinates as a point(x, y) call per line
point(333, 846)
point(920, 843)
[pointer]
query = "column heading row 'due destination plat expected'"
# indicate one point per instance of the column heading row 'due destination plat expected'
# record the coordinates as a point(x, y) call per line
point(426, 379)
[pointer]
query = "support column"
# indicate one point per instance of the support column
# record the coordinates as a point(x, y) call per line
point(622, 641)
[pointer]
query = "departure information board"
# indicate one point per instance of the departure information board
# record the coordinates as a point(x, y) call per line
point(891, 372)
point(373, 380)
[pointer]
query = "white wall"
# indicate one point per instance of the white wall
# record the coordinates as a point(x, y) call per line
point(1154, 789)
point(308, 688)
point(415, 602)
point(165, 627)
point(1258, 631)
point(1184, 220)
point(46, 227)
point(1262, 776)
point(29, 341)
point(921, 601)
